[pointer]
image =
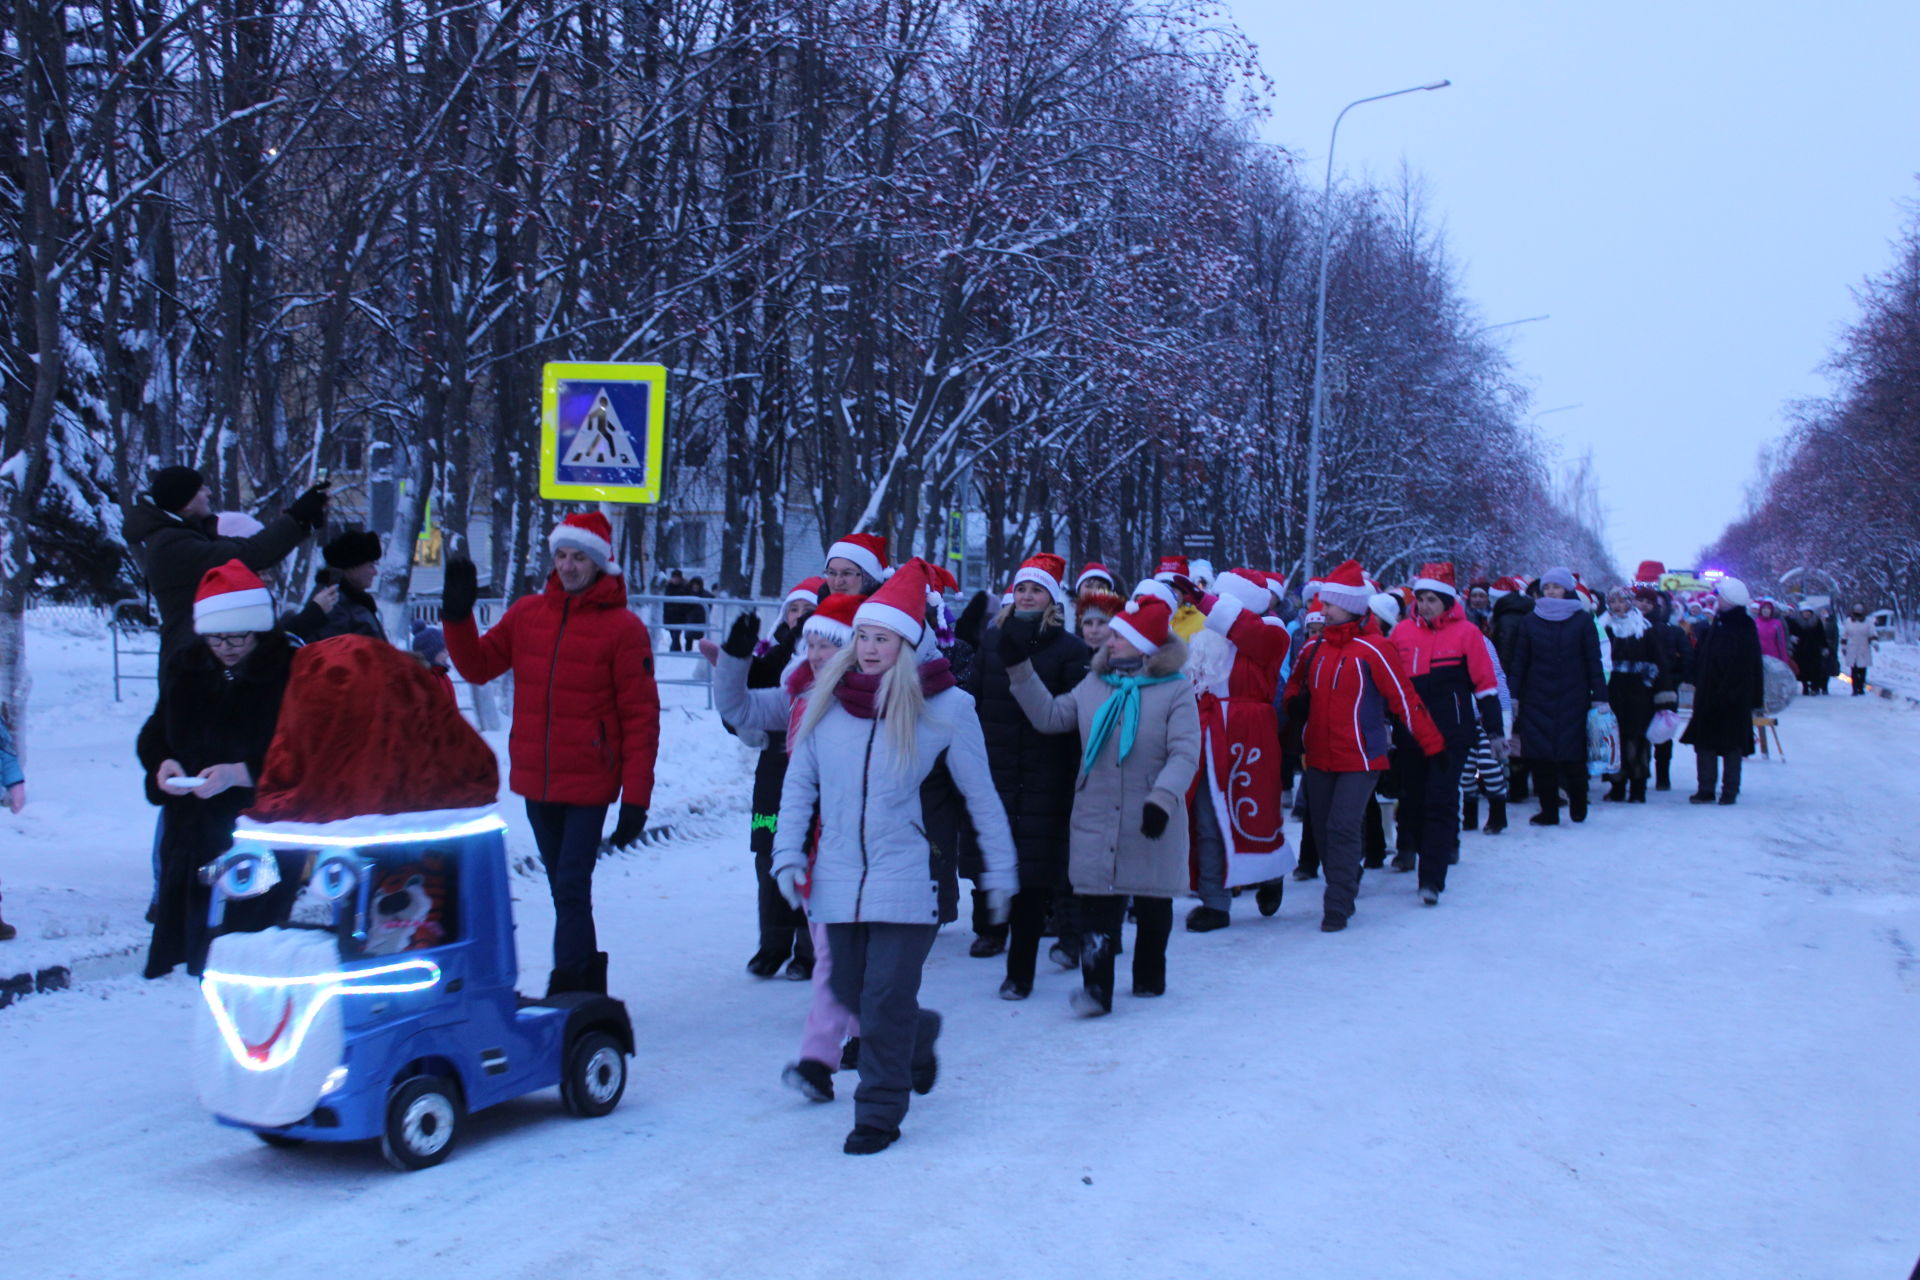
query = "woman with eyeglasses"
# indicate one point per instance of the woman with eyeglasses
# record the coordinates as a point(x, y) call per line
point(205, 745)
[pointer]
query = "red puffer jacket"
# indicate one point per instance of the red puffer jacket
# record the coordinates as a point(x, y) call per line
point(586, 712)
point(1344, 686)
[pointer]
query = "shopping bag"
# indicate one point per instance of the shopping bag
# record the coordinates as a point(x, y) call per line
point(1665, 727)
point(1603, 743)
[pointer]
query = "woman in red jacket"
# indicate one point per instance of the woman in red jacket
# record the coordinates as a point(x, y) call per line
point(1344, 686)
point(586, 719)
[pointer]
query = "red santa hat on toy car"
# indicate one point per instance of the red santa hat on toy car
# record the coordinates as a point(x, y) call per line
point(1437, 576)
point(586, 531)
point(1145, 624)
point(1046, 571)
point(231, 599)
point(866, 551)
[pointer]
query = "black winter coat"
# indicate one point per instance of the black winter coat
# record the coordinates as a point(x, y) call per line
point(1676, 651)
point(207, 715)
point(1034, 772)
point(1809, 649)
point(1509, 611)
point(1641, 681)
point(1729, 686)
point(1555, 677)
point(355, 613)
point(175, 554)
point(770, 771)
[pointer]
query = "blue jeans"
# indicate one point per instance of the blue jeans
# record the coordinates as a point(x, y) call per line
point(569, 839)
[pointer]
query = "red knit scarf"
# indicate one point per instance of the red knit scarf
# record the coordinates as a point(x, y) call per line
point(858, 692)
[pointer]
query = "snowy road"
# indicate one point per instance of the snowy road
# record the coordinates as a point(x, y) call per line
point(1676, 1042)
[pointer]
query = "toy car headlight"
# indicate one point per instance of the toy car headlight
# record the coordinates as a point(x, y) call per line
point(245, 874)
point(336, 877)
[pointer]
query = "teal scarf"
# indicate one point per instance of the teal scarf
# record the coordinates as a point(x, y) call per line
point(1122, 708)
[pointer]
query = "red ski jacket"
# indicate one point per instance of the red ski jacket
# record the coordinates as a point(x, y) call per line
point(1451, 670)
point(1344, 686)
point(586, 712)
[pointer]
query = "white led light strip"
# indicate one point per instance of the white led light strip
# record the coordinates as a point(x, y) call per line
point(286, 1040)
point(287, 837)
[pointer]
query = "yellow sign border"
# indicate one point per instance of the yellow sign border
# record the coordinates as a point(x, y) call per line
point(551, 376)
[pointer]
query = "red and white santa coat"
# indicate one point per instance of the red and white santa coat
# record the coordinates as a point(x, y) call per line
point(1240, 772)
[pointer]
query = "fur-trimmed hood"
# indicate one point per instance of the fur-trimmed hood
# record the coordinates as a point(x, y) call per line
point(1168, 659)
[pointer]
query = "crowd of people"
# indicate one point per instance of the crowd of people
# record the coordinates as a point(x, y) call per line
point(1079, 752)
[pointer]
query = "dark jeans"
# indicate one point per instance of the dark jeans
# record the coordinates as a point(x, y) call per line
point(1429, 816)
point(1707, 767)
point(1336, 811)
point(1549, 776)
point(1663, 762)
point(1101, 916)
point(569, 839)
point(783, 931)
point(1026, 925)
point(1859, 682)
point(876, 975)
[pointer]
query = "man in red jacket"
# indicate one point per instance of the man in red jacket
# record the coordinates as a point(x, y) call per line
point(1344, 686)
point(586, 719)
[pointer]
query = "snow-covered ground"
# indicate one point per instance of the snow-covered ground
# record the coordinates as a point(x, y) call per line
point(1677, 1041)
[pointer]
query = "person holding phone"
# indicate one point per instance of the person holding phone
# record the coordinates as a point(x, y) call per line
point(205, 745)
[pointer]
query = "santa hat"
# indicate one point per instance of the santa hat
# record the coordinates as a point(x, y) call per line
point(1437, 576)
point(1315, 613)
point(1506, 586)
point(1044, 570)
point(943, 579)
point(231, 598)
point(1347, 587)
point(1169, 568)
point(833, 620)
point(1650, 571)
point(1276, 585)
point(1154, 589)
point(1246, 588)
point(1385, 607)
point(1097, 603)
point(1202, 572)
point(1094, 569)
point(807, 591)
point(867, 551)
point(589, 532)
point(900, 605)
point(1145, 624)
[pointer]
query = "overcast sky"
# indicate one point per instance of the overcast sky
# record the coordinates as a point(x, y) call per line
point(1690, 190)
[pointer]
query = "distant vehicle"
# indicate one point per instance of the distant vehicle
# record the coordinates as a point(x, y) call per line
point(1886, 624)
point(360, 986)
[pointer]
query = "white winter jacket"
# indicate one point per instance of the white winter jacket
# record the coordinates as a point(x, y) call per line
point(1856, 643)
point(875, 862)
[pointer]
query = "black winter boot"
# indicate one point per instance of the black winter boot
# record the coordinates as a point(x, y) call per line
point(1199, 920)
point(1470, 813)
point(867, 1140)
point(1637, 791)
point(810, 1079)
point(1269, 896)
point(1615, 793)
point(1496, 816)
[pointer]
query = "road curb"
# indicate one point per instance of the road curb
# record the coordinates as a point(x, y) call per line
point(62, 977)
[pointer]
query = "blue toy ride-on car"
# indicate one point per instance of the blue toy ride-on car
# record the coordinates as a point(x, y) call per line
point(360, 985)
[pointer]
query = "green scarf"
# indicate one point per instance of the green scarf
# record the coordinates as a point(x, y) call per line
point(1122, 707)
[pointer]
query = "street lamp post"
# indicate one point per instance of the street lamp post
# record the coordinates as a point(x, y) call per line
point(1320, 325)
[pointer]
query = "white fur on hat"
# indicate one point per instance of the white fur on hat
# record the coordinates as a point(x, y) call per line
point(1153, 588)
point(1385, 607)
point(574, 531)
point(1248, 593)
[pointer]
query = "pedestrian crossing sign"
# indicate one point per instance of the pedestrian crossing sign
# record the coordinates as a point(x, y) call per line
point(603, 432)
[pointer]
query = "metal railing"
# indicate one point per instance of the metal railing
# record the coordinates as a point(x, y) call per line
point(132, 625)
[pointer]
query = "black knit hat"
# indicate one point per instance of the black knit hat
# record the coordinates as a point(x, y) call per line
point(349, 550)
point(174, 487)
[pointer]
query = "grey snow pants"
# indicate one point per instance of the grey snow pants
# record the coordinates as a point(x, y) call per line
point(1336, 807)
point(876, 975)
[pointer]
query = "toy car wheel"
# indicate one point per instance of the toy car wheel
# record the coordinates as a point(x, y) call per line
point(423, 1119)
point(280, 1140)
point(596, 1075)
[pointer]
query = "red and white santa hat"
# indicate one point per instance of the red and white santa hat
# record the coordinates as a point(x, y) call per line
point(1506, 586)
point(1315, 613)
point(833, 620)
point(231, 598)
point(1246, 588)
point(1094, 569)
point(900, 605)
point(868, 551)
point(1154, 589)
point(589, 532)
point(1346, 586)
point(1437, 576)
point(807, 591)
point(1096, 603)
point(1047, 571)
point(1169, 568)
point(1144, 624)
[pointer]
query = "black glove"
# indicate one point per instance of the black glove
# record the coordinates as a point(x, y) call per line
point(784, 635)
point(310, 508)
point(972, 618)
point(633, 820)
point(1153, 821)
point(459, 590)
point(1018, 639)
point(742, 636)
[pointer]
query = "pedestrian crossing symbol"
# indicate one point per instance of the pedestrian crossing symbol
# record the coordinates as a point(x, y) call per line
point(602, 432)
